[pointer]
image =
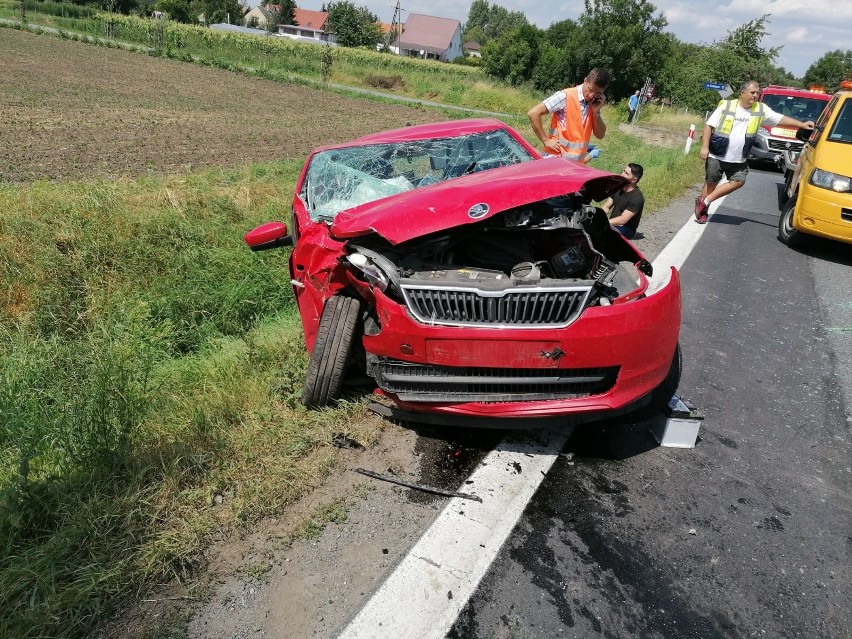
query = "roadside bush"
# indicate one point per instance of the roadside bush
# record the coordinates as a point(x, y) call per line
point(61, 9)
point(385, 81)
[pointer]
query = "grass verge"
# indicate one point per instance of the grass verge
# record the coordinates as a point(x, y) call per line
point(148, 369)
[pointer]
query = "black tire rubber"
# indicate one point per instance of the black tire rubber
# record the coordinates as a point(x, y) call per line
point(786, 233)
point(663, 393)
point(332, 351)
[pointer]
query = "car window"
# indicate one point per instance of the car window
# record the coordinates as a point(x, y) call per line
point(841, 131)
point(801, 108)
point(823, 118)
point(774, 102)
point(339, 179)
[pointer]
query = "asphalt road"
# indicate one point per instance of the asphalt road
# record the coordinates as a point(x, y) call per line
point(749, 534)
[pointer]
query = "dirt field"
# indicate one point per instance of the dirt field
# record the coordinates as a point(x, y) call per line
point(69, 110)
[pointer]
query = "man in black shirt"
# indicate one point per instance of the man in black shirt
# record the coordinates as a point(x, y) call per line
point(625, 207)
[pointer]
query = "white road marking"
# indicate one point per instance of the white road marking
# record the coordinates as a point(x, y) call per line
point(681, 245)
point(424, 595)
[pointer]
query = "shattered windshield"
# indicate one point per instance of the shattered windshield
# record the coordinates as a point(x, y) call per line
point(340, 179)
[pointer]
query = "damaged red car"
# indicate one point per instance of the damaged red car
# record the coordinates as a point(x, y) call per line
point(468, 278)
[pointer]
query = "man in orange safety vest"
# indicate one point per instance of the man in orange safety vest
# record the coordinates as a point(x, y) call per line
point(575, 114)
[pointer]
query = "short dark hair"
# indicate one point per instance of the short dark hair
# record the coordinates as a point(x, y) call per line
point(636, 170)
point(600, 77)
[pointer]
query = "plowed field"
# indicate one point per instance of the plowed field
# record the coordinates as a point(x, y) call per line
point(70, 110)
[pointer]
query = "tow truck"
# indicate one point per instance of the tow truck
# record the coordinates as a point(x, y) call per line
point(802, 104)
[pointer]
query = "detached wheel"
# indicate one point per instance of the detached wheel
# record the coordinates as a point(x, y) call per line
point(786, 233)
point(332, 351)
point(661, 395)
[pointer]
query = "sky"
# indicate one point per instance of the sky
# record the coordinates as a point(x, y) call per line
point(807, 29)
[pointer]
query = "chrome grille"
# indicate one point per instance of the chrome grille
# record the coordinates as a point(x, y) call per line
point(781, 145)
point(511, 307)
point(425, 383)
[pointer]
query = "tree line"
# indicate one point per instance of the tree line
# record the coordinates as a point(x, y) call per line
point(627, 37)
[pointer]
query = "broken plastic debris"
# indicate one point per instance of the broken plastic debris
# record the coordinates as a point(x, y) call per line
point(343, 441)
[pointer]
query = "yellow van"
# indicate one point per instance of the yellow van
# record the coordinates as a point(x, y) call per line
point(820, 188)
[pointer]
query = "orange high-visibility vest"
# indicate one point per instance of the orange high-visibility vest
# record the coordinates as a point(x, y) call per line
point(574, 137)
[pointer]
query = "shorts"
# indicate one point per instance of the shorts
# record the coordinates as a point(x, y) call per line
point(734, 171)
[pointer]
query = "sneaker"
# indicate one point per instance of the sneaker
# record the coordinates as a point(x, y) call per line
point(700, 210)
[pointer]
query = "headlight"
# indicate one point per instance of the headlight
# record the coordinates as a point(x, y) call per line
point(832, 181)
point(372, 272)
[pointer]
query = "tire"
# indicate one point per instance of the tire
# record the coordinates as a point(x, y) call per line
point(663, 393)
point(332, 351)
point(786, 233)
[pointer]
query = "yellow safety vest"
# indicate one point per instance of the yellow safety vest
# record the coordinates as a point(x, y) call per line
point(721, 136)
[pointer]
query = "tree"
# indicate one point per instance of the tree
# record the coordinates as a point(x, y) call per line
point(684, 72)
point(513, 56)
point(744, 59)
point(281, 12)
point(485, 22)
point(354, 26)
point(733, 60)
point(830, 70)
point(215, 11)
point(177, 10)
point(560, 33)
point(555, 69)
point(624, 36)
point(745, 40)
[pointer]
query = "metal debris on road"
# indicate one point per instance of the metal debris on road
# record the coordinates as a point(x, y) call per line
point(428, 489)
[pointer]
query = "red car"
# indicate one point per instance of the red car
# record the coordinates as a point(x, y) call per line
point(467, 276)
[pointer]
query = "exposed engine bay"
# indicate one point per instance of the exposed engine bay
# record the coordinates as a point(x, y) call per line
point(553, 246)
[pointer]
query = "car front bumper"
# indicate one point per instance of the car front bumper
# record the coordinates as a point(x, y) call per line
point(617, 354)
point(771, 149)
point(825, 213)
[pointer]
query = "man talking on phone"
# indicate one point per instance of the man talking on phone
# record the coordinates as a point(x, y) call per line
point(575, 113)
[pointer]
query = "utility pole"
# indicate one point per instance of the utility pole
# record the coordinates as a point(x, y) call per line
point(396, 26)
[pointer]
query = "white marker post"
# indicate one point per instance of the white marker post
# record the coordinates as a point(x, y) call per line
point(689, 139)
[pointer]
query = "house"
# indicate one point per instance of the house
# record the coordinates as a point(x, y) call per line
point(258, 17)
point(309, 24)
point(473, 49)
point(429, 37)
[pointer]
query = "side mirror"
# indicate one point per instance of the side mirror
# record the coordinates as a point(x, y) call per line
point(803, 135)
point(268, 236)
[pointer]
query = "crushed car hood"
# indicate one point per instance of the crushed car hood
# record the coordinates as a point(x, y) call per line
point(472, 198)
